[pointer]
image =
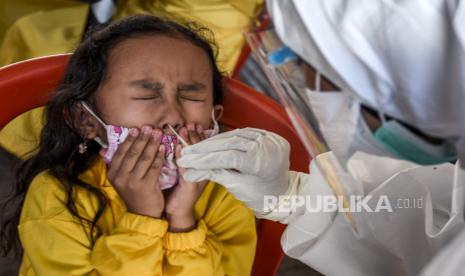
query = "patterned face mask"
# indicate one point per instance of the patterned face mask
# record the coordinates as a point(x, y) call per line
point(118, 134)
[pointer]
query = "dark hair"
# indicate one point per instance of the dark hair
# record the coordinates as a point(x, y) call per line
point(58, 148)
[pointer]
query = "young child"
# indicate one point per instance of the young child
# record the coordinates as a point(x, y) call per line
point(104, 195)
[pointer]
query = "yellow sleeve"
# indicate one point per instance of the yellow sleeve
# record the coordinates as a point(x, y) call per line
point(198, 252)
point(57, 243)
point(222, 244)
point(135, 247)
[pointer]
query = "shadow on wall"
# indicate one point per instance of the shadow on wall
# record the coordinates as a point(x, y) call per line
point(9, 265)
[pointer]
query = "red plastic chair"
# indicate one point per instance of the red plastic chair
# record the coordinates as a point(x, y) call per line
point(28, 84)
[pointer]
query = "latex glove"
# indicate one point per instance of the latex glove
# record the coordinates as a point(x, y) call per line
point(250, 163)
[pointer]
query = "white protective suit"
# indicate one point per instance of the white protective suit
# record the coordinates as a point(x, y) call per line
point(412, 54)
point(404, 58)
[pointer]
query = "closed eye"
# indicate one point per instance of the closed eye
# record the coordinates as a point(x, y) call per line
point(146, 98)
point(191, 99)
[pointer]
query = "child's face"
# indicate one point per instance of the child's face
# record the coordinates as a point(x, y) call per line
point(156, 81)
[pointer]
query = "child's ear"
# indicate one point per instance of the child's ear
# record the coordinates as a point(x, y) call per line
point(84, 123)
point(218, 111)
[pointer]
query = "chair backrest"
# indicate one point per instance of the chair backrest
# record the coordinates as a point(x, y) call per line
point(28, 84)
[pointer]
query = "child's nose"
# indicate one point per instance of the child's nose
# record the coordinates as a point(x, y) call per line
point(172, 116)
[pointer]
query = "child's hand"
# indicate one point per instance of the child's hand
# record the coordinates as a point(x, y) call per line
point(135, 169)
point(180, 203)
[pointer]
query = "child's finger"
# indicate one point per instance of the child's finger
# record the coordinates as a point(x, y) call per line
point(185, 135)
point(193, 135)
point(136, 150)
point(148, 155)
point(177, 151)
point(117, 160)
point(177, 155)
point(155, 168)
point(200, 132)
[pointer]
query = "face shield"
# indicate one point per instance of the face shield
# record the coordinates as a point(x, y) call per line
point(285, 74)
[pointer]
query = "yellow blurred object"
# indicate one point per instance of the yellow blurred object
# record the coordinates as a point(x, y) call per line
point(36, 29)
point(21, 135)
point(33, 28)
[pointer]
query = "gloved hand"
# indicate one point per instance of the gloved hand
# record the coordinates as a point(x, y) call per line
point(250, 163)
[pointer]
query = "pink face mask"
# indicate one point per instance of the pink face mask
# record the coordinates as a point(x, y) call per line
point(117, 134)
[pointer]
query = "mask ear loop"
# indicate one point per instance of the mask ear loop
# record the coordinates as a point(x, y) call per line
point(96, 139)
point(216, 126)
point(84, 104)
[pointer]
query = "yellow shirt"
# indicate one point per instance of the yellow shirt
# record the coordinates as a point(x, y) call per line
point(33, 28)
point(55, 242)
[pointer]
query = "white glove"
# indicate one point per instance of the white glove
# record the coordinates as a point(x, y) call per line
point(250, 163)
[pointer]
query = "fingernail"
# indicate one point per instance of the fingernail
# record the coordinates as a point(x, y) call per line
point(183, 131)
point(134, 132)
point(199, 129)
point(146, 130)
point(157, 134)
point(191, 127)
point(161, 148)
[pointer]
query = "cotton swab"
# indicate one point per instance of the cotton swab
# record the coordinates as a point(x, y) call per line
point(184, 143)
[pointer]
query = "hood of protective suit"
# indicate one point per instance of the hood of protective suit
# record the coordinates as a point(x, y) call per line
point(403, 58)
